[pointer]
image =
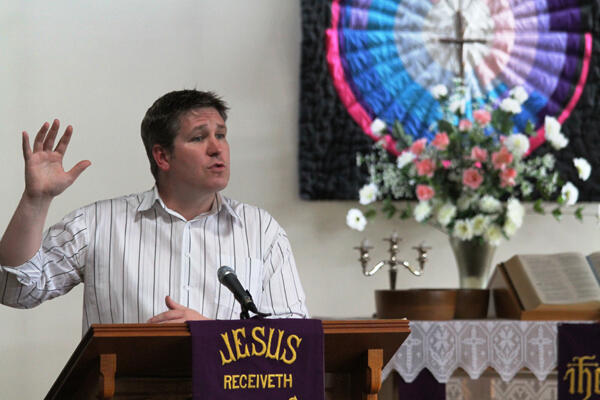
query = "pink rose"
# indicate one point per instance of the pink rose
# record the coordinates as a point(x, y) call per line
point(446, 163)
point(507, 177)
point(501, 158)
point(464, 125)
point(425, 192)
point(441, 140)
point(418, 146)
point(479, 154)
point(472, 178)
point(483, 117)
point(425, 167)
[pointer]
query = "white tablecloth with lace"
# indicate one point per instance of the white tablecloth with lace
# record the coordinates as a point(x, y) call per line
point(474, 345)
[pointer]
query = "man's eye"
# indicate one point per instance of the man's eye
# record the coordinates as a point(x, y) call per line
point(220, 136)
point(198, 138)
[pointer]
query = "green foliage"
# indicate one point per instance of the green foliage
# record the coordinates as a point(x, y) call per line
point(406, 212)
point(370, 213)
point(538, 208)
point(557, 213)
point(403, 139)
point(530, 129)
point(388, 208)
point(579, 213)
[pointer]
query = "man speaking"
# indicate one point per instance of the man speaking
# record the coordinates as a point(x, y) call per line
point(151, 256)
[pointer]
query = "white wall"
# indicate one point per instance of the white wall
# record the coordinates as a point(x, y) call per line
point(99, 67)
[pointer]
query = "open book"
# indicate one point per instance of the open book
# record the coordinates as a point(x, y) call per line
point(558, 282)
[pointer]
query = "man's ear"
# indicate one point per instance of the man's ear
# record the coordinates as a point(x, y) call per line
point(162, 157)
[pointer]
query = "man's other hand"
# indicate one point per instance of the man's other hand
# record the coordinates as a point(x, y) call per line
point(176, 314)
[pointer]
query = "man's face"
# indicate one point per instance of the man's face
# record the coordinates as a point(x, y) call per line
point(200, 156)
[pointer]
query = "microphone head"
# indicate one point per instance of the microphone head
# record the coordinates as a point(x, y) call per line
point(224, 270)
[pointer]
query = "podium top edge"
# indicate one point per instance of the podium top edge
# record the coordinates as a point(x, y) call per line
point(181, 329)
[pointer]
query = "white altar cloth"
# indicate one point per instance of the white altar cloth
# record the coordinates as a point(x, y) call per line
point(507, 346)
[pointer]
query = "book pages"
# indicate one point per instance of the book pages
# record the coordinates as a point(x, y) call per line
point(563, 278)
point(594, 261)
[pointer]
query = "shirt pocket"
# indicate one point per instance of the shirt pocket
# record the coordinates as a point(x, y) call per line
point(249, 272)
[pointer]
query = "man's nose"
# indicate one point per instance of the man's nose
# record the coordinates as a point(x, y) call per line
point(214, 146)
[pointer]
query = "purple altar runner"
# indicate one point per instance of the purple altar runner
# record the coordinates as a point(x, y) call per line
point(578, 361)
point(257, 359)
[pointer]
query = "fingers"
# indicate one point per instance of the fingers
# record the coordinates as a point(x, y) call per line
point(172, 305)
point(26, 146)
point(44, 140)
point(38, 142)
point(51, 136)
point(174, 321)
point(168, 316)
point(78, 169)
point(61, 147)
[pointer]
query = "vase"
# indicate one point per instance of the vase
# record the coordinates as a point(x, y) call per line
point(474, 261)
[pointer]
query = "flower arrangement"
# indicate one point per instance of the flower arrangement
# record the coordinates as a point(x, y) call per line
point(469, 178)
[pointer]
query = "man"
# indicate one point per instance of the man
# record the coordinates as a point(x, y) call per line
point(153, 256)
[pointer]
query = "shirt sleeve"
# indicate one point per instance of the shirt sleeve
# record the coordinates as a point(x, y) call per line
point(55, 269)
point(283, 295)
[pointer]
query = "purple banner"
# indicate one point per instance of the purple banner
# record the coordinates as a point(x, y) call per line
point(257, 359)
point(424, 387)
point(578, 361)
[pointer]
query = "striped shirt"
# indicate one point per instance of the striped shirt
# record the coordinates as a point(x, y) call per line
point(130, 252)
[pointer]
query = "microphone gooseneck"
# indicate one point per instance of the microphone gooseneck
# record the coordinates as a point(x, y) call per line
point(229, 279)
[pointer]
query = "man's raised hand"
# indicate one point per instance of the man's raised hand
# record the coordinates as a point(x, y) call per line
point(44, 173)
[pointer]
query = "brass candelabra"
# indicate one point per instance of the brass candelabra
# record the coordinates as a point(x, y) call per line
point(393, 260)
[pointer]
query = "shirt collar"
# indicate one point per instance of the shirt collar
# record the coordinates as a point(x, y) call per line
point(151, 197)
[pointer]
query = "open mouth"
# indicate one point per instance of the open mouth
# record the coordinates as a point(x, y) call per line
point(217, 167)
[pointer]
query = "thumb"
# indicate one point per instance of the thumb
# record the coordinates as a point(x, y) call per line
point(78, 169)
point(172, 305)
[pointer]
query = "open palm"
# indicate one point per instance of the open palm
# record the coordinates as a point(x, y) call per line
point(44, 172)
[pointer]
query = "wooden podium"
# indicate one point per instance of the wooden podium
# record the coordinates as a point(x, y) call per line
point(149, 361)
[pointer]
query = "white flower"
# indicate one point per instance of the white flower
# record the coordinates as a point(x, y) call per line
point(553, 134)
point(480, 223)
point(510, 228)
point(422, 211)
point(463, 229)
point(493, 235)
point(356, 220)
point(368, 194)
point(570, 193)
point(517, 143)
point(526, 188)
point(378, 127)
point(446, 213)
point(404, 159)
point(548, 160)
point(463, 202)
point(457, 105)
point(489, 204)
point(519, 94)
point(558, 141)
point(510, 105)
point(439, 91)
point(515, 211)
point(551, 125)
point(584, 168)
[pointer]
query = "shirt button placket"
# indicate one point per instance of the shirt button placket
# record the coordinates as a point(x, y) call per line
point(185, 265)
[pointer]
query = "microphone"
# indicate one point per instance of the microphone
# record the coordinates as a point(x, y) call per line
point(229, 279)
